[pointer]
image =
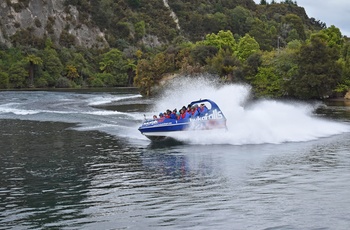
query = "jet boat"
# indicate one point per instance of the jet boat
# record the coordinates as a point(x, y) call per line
point(160, 129)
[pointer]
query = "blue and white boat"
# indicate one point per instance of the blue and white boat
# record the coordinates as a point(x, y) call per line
point(213, 118)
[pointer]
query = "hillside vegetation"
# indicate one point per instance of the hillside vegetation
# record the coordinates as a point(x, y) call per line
point(275, 47)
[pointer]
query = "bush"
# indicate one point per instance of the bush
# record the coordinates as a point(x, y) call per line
point(41, 83)
point(63, 82)
point(4, 80)
point(95, 82)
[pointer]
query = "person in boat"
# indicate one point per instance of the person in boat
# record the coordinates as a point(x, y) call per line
point(155, 117)
point(189, 110)
point(195, 112)
point(167, 113)
point(173, 114)
point(184, 114)
point(161, 117)
point(202, 109)
point(177, 115)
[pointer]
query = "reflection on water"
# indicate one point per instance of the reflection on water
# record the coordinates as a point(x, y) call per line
point(56, 177)
point(336, 109)
point(44, 175)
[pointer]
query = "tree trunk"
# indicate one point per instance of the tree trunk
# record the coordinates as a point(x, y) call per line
point(31, 74)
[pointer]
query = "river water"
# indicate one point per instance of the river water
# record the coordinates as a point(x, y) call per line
point(75, 160)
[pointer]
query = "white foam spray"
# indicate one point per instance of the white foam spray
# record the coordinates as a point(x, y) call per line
point(263, 121)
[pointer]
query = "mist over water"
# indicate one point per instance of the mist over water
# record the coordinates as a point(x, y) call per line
point(248, 122)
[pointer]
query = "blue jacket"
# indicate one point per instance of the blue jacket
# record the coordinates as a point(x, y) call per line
point(196, 114)
point(203, 111)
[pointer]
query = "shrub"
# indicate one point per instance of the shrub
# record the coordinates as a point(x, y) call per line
point(63, 82)
point(4, 80)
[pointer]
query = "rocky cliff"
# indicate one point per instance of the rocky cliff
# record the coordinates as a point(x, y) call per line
point(46, 18)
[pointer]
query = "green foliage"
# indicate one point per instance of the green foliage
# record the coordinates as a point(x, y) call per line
point(52, 65)
point(95, 82)
point(63, 82)
point(33, 61)
point(267, 83)
point(201, 53)
point(114, 68)
point(66, 39)
point(221, 40)
point(261, 33)
point(41, 82)
point(238, 19)
point(4, 80)
point(319, 71)
point(17, 75)
point(275, 47)
point(333, 37)
point(226, 65)
point(150, 72)
point(246, 47)
point(297, 24)
point(140, 29)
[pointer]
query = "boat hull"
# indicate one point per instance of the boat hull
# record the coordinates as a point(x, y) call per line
point(168, 128)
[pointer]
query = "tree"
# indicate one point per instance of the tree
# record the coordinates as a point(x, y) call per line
point(150, 72)
point(17, 74)
point(267, 82)
point(72, 72)
point(131, 67)
point(115, 66)
point(319, 69)
point(297, 24)
point(52, 64)
point(33, 61)
point(201, 53)
point(334, 37)
point(238, 20)
point(344, 61)
point(226, 65)
point(221, 40)
point(261, 33)
point(4, 80)
point(246, 47)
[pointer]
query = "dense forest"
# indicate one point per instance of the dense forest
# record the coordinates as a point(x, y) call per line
point(272, 46)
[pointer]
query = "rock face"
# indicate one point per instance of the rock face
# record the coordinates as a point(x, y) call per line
point(47, 18)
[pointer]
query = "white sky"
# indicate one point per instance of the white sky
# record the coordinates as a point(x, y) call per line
point(331, 12)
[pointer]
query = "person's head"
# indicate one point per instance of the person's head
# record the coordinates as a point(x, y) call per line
point(154, 116)
point(161, 115)
point(182, 110)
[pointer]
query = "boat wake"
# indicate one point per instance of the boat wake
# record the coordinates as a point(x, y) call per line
point(248, 122)
point(259, 122)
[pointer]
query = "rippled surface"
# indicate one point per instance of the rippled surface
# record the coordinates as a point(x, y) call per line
point(55, 175)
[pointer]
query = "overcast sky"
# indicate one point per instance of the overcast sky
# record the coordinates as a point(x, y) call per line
point(331, 12)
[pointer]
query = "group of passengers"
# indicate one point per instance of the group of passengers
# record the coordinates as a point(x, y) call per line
point(184, 113)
